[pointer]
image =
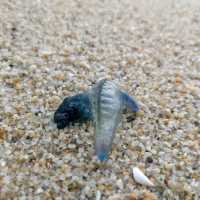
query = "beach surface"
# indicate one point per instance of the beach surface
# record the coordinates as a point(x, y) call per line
point(53, 49)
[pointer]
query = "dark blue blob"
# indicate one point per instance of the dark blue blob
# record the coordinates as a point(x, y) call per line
point(75, 109)
point(130, 102)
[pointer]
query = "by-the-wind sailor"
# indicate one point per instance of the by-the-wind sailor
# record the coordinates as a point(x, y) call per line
point(103, 104)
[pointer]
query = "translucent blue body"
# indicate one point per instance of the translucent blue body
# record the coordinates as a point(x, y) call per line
point(103, 104)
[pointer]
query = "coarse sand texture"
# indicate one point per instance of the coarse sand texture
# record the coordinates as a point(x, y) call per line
point(53, 49)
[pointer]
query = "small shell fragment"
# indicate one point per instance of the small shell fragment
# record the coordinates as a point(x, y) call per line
point(141, 178)
point(98, 195)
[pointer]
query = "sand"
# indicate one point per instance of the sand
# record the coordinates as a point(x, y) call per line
point(53, 49)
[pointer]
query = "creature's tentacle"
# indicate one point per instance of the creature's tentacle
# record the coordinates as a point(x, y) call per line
point(129, 102)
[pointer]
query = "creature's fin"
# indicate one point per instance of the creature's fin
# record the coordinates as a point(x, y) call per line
point(129, 102)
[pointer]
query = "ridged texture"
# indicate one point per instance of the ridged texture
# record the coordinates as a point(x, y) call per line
point(106, 108)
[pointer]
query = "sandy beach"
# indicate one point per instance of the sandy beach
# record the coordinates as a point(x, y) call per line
point(53, 49)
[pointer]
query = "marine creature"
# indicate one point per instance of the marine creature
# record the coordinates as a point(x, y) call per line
point(103, 104)
point(141, 178)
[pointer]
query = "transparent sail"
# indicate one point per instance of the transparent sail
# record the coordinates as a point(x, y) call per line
point(107, 109)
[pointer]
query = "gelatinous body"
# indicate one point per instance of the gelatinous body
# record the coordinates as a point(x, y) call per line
point(103, 104)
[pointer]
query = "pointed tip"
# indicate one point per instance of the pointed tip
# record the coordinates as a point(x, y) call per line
point(102, 146)
point(141, 178)
point(103, 156)
point(130, 102)
point(136, 107)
